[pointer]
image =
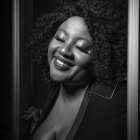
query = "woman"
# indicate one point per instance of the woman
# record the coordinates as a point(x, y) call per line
point(81, 50)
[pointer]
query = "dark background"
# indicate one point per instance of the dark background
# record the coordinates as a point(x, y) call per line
point(30, 75)
point(5, 69)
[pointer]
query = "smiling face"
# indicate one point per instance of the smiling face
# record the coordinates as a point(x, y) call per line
point(69, 53)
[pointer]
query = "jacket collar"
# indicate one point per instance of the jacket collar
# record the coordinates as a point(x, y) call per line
point(102, 90)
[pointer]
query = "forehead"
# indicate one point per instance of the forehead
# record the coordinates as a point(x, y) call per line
point(74, 22)
point(75, 26)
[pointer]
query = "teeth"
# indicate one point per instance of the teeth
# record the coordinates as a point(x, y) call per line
point(60, 62)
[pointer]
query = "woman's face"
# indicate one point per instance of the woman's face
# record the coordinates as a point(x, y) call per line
point(68, 53)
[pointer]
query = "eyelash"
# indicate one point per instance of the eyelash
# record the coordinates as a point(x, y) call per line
point(84, 50)
point(59, 39)
point(81, 49)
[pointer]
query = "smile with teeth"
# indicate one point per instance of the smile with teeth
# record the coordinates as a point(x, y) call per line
point(59, 62)
point(61, 65)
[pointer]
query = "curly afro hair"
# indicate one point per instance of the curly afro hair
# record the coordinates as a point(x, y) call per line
point(107, 24)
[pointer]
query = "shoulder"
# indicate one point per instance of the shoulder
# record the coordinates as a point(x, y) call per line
point(107, 100)
point(105, 114)
point(109, 93)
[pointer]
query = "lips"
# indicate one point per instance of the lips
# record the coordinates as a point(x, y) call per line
point(62, 63)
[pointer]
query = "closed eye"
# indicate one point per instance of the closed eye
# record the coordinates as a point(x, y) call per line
point(83, 49)
point(86, 50)
point(59, 39)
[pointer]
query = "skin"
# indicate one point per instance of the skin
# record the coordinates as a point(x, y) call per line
point(70, 65)
point(68, 53)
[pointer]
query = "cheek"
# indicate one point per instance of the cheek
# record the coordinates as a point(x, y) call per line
point(82, 59)
point(51, 50)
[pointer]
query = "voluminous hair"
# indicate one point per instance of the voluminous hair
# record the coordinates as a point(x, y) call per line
point(107, 24)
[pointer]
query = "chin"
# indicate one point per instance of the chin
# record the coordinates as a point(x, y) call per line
point(56, 76)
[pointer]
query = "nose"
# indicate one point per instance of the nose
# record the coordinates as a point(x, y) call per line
point(66, 51)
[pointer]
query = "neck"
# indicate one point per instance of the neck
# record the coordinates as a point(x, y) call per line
point(69, 93)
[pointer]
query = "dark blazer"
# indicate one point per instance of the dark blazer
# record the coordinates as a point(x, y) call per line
point(102, 115)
